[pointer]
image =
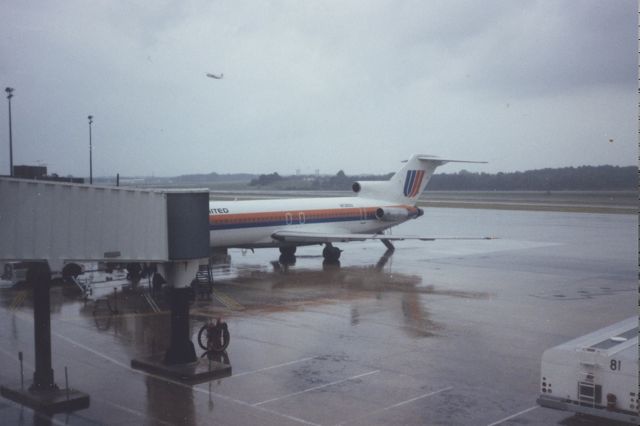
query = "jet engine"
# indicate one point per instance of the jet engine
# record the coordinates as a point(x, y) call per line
point(379, 190)
point(394, 214)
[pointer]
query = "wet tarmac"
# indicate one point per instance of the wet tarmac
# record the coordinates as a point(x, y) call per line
point(445, 332)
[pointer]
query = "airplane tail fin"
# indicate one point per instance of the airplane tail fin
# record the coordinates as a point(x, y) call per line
point(406, 184)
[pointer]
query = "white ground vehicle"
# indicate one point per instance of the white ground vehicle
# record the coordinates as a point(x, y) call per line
point(14, 272)
point(596, 374)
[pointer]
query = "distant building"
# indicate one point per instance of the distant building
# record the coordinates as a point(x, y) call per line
point(30, 172)
point(40, 173)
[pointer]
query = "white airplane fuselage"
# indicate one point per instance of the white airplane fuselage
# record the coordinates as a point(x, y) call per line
point(251, 223)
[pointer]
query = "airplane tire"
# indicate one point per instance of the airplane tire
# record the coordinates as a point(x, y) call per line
point(331, 253)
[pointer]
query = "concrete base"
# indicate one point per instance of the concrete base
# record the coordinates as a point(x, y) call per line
point(48, 401)
point(199, 371)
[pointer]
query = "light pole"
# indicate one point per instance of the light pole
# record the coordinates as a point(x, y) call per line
point(9, 91)
point(90, 152)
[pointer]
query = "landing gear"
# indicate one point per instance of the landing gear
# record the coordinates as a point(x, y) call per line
point(331, 253)
point(287, 255)
point(288, 251)
point(390, 247)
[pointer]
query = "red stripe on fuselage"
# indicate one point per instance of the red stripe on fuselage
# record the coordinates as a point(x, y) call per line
point(309, 215)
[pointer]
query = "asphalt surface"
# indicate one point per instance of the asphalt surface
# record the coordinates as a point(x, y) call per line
point(442, 333)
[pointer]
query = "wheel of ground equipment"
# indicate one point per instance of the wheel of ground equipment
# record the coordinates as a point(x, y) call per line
point(202, 336)
point(214, 337)
point(71, 270)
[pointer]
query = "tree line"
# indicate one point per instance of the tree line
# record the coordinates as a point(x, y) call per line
point(583, 178)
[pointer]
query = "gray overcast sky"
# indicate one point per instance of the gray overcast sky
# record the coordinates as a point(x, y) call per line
point(329, 85)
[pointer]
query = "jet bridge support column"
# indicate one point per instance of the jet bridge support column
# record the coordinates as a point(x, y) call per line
point(188, 240)
point(181, 349)
point(44, 395)
point(39, 278)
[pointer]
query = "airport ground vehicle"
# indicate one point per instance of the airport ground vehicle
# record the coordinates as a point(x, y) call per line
point(595, 374)
point(15, 272)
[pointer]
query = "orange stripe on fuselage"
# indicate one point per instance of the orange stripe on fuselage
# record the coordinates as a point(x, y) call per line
point(219, 218)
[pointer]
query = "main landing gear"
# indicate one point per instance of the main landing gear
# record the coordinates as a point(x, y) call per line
point(288, 251)
point(287, 255)
point(331, 253)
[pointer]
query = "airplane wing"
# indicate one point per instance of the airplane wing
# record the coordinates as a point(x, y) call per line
point(328, 237)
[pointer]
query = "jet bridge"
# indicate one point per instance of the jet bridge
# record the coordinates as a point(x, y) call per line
point(50, 223)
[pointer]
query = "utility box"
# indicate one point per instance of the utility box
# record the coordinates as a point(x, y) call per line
point(59, 222)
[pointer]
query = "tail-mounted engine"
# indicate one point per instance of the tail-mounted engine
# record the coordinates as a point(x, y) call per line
point(394, 214)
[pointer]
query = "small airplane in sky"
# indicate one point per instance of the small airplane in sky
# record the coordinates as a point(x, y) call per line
point(217, 77)
point(289, 223)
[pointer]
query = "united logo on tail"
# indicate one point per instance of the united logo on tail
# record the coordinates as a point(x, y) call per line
point(412, 182)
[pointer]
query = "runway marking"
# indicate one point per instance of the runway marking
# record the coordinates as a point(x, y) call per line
point(399, 404)
point(315, 388)
point(244, 373)
point(514, 416)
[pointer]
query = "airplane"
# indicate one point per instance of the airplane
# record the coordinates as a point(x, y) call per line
point(217, 77)
point(289, 223)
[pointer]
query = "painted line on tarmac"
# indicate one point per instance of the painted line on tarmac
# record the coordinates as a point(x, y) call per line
point(257, 404)
point(227, 300)
point(399, 404)
point(18, 300)
point(174, 382)
point(166, 379)
point(244, 373)
point(93, 351)
point(514, 416)
point(134, 412)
